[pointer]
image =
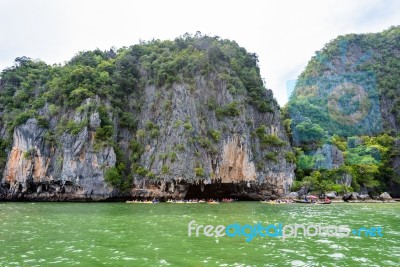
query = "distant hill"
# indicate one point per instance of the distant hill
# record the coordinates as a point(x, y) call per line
point(346, 103)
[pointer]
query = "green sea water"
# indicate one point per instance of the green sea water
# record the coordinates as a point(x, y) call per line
point(120, 234)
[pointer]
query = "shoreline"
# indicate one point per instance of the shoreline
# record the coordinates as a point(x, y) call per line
point(337, 201)
point(367, 201)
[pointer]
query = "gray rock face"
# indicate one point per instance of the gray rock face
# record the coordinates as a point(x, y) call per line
point(73, 170)
point(354, 196)
point(292, 195)
point(364, 197)
point(328, 157)
point(344, 179)
point(385, 196)
point(84, 166)
point(180, 155)
point(303, 191)
point(28, 142)
point(236, 160)
point(351, 196)
point(331, 195)
point(95, 120)
point(363, 190)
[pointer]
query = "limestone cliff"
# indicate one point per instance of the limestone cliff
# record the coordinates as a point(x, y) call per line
point(180, 119)
point(36, 170)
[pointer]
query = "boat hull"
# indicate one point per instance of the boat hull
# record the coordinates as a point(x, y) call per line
point(303, 202)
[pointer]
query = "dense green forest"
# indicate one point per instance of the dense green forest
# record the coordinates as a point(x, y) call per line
point(348, 96)
point(30, 85)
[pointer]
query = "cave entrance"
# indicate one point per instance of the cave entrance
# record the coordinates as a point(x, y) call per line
point(216, 191)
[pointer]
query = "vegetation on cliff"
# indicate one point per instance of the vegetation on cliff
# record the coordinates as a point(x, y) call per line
point(129, 99)
point(348, 96)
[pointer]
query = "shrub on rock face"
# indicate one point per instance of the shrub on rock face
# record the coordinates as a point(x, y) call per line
point(199, 172)
point(104, 133)
point(215, 134)
point(113, 177)
point(268, 139)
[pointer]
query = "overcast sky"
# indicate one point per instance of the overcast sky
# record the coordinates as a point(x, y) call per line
point(285, 34)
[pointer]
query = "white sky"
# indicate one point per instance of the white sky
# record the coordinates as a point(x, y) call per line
point(285, 34)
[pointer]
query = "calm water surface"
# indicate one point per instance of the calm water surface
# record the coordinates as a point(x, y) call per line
point(119, 234)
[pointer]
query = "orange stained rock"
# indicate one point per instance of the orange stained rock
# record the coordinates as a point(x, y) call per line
point(235, 164)
point(13, 164)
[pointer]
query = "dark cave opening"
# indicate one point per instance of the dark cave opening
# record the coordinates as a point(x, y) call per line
point(217, 191)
